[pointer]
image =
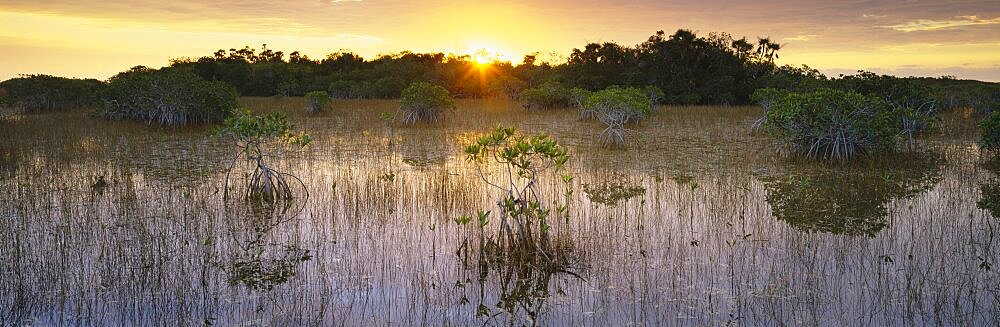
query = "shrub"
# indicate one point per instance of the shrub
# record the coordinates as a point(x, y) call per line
point(990, 139)
point(550, 94)
point(253, 135)
point(423, 101)
point(167, 97)
point(317, 101)
point(832, 124)
point(47, 93)
point(615, 107)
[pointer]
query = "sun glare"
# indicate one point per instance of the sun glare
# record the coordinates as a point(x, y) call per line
point(485, 55)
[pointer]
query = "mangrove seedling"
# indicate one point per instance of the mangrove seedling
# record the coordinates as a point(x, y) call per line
point(524, 215)
point(254, 136)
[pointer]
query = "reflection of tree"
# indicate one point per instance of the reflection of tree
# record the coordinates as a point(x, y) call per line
point(259, 262)
point(850, 199)
point(989, 198)
point(8, 163)
point(512, 290)
point(423, 151)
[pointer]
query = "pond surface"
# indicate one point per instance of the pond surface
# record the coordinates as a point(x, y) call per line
point(697, 222)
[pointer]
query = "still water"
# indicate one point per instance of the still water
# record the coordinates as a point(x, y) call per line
point(697, 222)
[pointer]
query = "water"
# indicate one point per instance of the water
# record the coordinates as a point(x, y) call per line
point(698, 222)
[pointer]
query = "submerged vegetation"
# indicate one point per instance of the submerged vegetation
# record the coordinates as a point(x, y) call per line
point(166, 97)
point(611, 192)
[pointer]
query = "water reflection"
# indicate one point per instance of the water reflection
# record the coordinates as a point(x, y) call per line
point(375, 243)
point(8, 163)
point(850, 199)
point(259, 261)
point(989, 198)
point(511, 288)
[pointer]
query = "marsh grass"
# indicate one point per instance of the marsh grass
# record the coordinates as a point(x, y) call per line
point(157, 247)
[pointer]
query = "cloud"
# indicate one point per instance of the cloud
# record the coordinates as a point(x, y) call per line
point(934, 25)
point(800, 38)
point(873, 16)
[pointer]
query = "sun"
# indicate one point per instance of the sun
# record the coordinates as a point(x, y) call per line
point(485, 55)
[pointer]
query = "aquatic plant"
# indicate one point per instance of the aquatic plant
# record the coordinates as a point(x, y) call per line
point(253, 136)
point(609, 193)
point(166, 97)
point(831, 124)
point(317, 101)
point(423, 101)
point(524, 212)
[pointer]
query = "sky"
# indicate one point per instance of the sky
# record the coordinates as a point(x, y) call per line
point(98, 38)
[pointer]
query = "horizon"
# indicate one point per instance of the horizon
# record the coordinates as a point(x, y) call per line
point(914, 39)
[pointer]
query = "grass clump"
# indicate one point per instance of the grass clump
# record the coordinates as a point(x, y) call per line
point(423, 101)
point(830, 124)
point(317, 101)
point(166, 97)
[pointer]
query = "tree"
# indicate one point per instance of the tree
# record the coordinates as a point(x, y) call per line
point(167, 97)
point(550, 94)
point(989, 140)
point(34, 93)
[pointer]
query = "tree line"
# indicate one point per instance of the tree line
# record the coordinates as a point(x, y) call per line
point(716, 69)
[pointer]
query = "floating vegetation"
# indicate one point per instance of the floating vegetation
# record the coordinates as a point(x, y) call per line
point(258, 272)
point(610, 193)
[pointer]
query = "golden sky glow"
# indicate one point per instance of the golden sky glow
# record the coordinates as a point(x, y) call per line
point(97, 39)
